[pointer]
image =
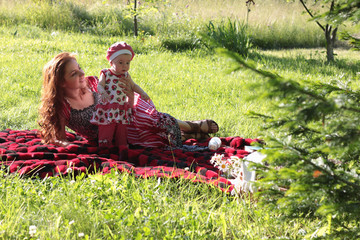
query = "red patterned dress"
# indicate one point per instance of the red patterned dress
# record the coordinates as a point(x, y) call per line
point(115, 110)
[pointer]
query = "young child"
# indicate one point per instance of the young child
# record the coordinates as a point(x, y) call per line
point(113, 112)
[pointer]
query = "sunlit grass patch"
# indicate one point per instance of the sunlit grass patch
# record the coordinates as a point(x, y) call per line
point(120, 205)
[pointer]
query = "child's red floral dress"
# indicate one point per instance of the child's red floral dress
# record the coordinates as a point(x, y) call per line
point(115, 110)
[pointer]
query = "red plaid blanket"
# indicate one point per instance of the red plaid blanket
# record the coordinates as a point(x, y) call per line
point(22, 152)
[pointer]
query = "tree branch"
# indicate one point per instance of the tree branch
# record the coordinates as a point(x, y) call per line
point(308, 11)
point(354, 185)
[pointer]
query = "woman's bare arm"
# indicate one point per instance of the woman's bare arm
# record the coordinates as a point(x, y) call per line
point(62, 141)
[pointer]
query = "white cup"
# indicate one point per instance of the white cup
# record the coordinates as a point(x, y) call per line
point(214, 143)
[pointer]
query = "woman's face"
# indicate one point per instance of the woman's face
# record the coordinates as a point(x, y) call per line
point(74, 76)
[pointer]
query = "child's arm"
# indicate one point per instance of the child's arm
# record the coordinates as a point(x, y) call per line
point(101, 88)
point(136, 88)
point(140, 91)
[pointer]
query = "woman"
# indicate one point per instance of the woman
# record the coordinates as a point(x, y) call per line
point(69, 99)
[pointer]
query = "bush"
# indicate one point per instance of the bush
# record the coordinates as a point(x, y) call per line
point(62, 15)
point(231, 35)
point(68, 16)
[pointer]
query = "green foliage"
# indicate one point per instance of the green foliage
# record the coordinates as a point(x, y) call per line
point(353, 41)
point(337, 13)
point(178, 31)
point(109, 21)
point(120, 206)
point(232, 35)
point(314, 151)
point(285, 35)
point(344, 12)
point(177, 24)
point(68, 15)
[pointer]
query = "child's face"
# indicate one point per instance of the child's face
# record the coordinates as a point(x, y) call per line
point(121, 64)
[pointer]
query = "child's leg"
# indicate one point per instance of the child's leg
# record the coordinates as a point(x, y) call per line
point(121, 134)
point(106, 134)
point(121, 140)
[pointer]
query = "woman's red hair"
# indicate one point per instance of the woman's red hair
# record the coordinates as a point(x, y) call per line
point(52, 98)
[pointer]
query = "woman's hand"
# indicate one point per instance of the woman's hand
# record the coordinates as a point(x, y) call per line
point(62, 143)
point(127, 88)
point(145, 97)
point(105, 97)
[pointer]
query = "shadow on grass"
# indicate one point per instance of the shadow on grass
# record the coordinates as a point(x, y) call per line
point(309, 65)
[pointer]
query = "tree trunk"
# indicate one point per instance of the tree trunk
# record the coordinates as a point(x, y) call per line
point(135, 20)
point(330, 35)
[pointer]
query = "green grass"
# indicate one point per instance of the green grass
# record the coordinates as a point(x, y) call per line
point(188, 85)
point(119, 206)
